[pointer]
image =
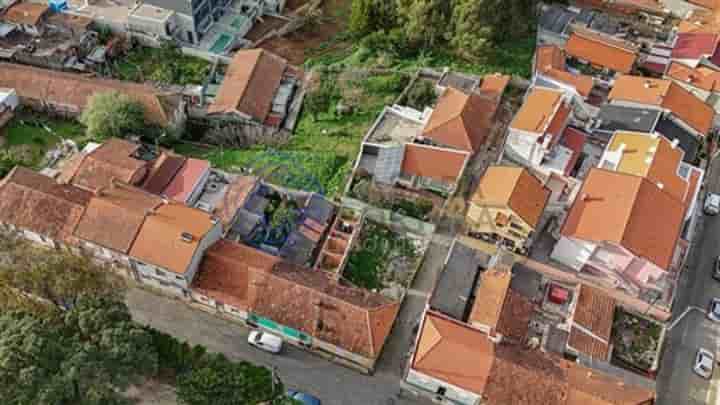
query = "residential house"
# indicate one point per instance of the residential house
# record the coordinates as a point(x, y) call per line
point(538, 126)
point(607, 55)
point(591, 325)
point(222, 283)
point(39, 208)
point(667, 96)
point(152, 25)
point(192, 18)
point(170, 244)
point(485, 372)
point(115, 159)
point(703, 81)
point(28, 16)
point(692, 48)
point(68, 93)
point(258, 87)
point(507, 206)
point(112, 221)
point(613, 232)
point(189, 181)
point(311, 308)
point(550, 71)
point(162, 171)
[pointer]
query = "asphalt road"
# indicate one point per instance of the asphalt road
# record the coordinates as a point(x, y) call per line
point(677, 384)
point(334, 384)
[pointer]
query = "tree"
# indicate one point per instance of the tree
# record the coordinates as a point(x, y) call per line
point(221, 382)
point(368, 16)
point(112, 114)
point(33, 278)
point(319, 100)
point(88, 355)
point(425, 22)
point(421, 95)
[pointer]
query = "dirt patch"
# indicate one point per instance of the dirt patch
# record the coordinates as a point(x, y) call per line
point(269, 23)
point(294, 47)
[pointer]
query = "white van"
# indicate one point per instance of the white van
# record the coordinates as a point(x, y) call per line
point(712, 204)
point(265, 341)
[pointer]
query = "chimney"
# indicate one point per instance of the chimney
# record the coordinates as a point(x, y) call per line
point(186, 237)
point(660, 186)
point(675, 143)
point(588, 198)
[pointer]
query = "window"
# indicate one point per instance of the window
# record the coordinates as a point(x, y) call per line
point(515, 225)
point(441, 391)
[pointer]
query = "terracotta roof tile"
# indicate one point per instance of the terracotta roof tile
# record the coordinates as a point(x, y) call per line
point(114, 216)
point(224, 272)
point(250, 83)
point(559, 122)
point(623, 209)
point(573, 139)
point(515, 316)
point(25, 13)
point(494, 84)
point(699, 77)
point(163, 170)
point(515, 188)
point(470, 351)
point(433, 162)
point(590, 387)
point(666, 94)
point(160, 240)
point(462, 121)
point(550, 61)
point(694, 45)
point(70, 89)
point(538, 110)
point(186, 180)
point(312, 302)
point(37, 203)
point(235, 196)
point(701, 21)
point(601, 51)
point(490, 294)
point(112, 160)
point(594, 313)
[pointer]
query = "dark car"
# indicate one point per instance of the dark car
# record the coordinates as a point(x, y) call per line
point(716, 269)
point(303, 398)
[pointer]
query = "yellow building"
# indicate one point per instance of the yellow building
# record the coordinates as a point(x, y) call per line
point(507, 206)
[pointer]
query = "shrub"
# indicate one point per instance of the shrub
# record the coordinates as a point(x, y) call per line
point(112, 114)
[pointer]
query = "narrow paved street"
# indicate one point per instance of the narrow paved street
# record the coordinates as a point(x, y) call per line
point(334, 384)
point(677, 384)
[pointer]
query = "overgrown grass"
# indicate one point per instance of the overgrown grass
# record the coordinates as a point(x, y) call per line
point(167, 65)
point(28, 137)
point(321, 152)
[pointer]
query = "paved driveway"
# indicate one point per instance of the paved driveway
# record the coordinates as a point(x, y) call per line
point(334, 384)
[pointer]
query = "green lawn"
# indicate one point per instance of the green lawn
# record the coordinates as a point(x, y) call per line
point(321, 152)
point(28, 137)
point(165, 65)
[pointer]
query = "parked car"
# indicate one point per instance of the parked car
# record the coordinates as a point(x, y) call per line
point(265, 341)
point(716, 269)
point(303, 398)
point(714, 310)
point(704, 363)
point(712, 204)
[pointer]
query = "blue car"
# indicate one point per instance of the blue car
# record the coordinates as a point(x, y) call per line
point(305, 399)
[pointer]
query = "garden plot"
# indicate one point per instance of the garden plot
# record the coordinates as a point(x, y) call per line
point(636, 341)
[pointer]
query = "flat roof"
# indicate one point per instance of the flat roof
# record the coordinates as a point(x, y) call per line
point(555, 18)
point(456, 283)
point(393, 128)
point(618, 118)
point(687, 141)
point(151, 12)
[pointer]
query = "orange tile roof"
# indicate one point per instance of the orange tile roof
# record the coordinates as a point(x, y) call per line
point(223, 274)
point(624, 209)
point(700, 77)
point(515, 188)
point(433, 162)
point(114, 216)
point(495, 84)
point(594, 312)
point(453, 352)
point(112, 160)
point(74, 90)
point(490, 296)
point(709, 4)
point(559, 122)
point(550, 61)
point(250, 83)
point(25, 13)
point(538, 110)
point(235, 197)
point(664, 169)
point(666, 94)
point(701, 21)
point(31, 201)
point(462, 121)
point(602, 51)
point(354, 319)
point(515, 316)
point(591, 387)
point(160, 240)
point(162, 171)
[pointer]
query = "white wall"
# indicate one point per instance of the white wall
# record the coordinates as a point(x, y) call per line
point(525, 146)
point(431, 385)
point(572, 252)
